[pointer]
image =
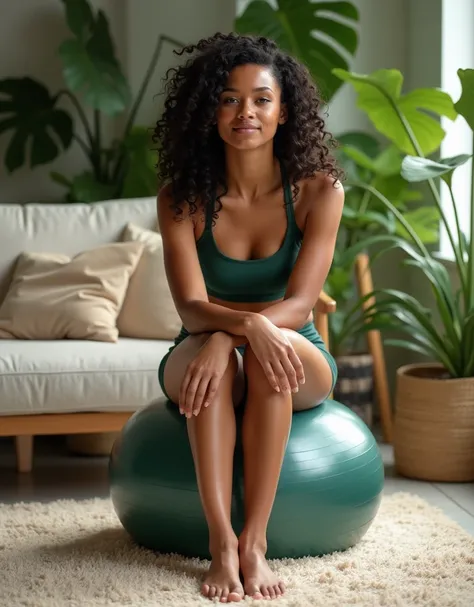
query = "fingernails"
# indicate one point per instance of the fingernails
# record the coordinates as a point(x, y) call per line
point(181, 410)
point(195, 412)
point(295, 390)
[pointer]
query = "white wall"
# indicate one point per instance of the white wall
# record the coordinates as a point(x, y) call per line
point(187, 22)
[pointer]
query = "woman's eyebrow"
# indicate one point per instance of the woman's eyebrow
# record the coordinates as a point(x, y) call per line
point(258, 89)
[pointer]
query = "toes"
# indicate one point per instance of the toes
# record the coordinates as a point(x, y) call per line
point(205, 589)
point(212, 592)
point(277, 590)
point(234, 596)
point(224, 596)
point(282, 587)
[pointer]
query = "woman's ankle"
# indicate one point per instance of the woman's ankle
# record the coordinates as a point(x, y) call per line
point(222, 540)
point(253, 540)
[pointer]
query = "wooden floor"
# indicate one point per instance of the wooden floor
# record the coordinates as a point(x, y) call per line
point(59, 474)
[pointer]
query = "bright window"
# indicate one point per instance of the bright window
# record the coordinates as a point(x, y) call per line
point(457, 52)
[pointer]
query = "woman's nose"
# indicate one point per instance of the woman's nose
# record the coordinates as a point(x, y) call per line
point(245, 109)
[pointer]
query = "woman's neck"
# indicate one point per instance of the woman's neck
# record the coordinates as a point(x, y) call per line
point(251, 173)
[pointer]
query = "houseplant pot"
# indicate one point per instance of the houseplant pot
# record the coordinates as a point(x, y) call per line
point(434, 416)
point(434, 424)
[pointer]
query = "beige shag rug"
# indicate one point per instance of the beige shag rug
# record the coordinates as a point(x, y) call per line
point(75, 553)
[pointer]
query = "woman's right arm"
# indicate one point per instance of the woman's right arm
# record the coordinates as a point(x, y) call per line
point(185, 276)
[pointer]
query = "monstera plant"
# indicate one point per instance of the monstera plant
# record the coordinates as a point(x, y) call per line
point(42, 128)
point(296, 26)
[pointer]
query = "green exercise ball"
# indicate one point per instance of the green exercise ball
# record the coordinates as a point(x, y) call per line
point(328, 494)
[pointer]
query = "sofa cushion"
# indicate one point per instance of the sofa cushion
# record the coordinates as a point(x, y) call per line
point(53, 296)
point(67, 228)
point(77, 375)
point(148, 310)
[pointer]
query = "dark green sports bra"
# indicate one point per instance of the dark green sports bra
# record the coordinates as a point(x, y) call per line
point(253, 280)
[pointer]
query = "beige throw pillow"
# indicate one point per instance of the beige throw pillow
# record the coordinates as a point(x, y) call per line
point(52, 296)
point(148, 311)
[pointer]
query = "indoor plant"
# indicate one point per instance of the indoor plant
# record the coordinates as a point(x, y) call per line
point(366, 159)
point(292, 24)
point(123, 169)
point(434, 417)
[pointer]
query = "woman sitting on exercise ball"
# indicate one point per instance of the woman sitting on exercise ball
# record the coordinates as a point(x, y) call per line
point(249, 218)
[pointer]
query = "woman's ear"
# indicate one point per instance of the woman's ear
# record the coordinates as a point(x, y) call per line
point(283, 114)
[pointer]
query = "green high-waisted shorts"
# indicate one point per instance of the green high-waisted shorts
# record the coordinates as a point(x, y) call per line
point(308, 331)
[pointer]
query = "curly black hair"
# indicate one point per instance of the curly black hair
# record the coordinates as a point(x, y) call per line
point(191, 152)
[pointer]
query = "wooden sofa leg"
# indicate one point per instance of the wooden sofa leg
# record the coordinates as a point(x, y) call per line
point(24, 453)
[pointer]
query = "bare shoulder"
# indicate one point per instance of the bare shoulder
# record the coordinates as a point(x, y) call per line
point(322, 202)
point(321, 190)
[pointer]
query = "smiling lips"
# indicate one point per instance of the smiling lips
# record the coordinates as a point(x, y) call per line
point(245, 128)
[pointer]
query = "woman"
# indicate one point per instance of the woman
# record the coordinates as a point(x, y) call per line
point(249, 219)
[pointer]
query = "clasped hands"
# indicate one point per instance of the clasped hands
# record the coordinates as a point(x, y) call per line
point(272, 349)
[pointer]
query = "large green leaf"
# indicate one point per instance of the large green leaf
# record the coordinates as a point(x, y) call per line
point(292, 26)
point(465, 104)
point(416, 169)
point(379, 95)
point(140, 177)
point(90, 64)
point(28, 109)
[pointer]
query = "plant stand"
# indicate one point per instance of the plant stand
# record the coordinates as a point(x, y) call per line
point(365, 286)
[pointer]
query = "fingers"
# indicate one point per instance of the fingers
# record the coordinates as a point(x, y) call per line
point(198, 389)
point(288, 369)
point(272, 378)
point(297, 365)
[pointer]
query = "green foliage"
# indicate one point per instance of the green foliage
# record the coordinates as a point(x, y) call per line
point(399, 117)
point(450, 338)
point(94, 76)
point(366, 223)
point(292, 26)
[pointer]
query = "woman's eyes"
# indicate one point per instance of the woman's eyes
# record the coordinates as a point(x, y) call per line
point(234, 100)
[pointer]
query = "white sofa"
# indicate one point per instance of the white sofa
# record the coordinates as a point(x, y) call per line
point(71, 386)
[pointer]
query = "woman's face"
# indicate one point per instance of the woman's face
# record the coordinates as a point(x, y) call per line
point(250, 107)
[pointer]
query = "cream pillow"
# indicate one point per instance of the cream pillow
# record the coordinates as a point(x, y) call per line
point(54, 296)
point(148, 310)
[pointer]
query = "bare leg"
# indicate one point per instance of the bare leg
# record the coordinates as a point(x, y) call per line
point(212, 438)
point(265, 429)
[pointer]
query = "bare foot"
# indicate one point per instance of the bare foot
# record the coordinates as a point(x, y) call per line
point(259, 580)
point(222, 580)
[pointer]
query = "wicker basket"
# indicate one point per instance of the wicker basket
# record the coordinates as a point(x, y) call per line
point(355, 383)
point(434, 424)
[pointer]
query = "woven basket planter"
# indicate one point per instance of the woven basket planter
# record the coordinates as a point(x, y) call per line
point(355, 384)
point(434, 424)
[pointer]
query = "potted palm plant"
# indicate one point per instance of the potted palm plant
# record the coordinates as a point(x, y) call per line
point(434, 416)
point(366, 159)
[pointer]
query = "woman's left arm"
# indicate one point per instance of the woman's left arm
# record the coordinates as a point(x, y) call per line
point(325, 201)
